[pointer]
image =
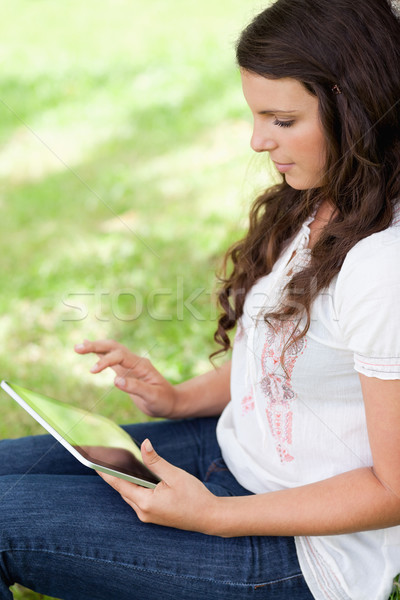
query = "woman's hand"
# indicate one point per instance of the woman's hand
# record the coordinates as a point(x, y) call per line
point(150, 391)
point(179, 500)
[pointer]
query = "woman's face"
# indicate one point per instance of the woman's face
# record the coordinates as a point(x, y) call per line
point(287, 125)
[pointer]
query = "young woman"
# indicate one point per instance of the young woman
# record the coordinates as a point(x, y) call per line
point(294, 491)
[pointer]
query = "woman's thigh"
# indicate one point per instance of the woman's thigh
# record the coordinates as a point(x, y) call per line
point(74, 538)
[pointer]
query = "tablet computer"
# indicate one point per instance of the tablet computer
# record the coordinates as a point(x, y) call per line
point(94, 440)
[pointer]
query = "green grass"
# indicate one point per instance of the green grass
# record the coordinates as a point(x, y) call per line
point(124, 175)
point(396, 589)
point(125, 172)
point(122, 180)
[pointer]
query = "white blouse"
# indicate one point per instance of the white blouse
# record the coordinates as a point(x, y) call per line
point(287, 427)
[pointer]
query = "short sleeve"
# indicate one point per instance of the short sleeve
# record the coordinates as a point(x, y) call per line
point(367, 299)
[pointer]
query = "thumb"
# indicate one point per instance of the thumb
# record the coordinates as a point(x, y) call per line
point(155, 463)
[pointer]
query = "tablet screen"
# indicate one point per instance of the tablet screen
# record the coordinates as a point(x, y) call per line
point(93, 436)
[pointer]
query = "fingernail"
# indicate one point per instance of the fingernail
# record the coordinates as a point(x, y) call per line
point(94, 368)
point(120, 381)
point(147, 446)
point(79, 346)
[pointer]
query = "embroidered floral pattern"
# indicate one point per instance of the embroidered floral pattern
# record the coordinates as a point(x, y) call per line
point(247, 404)
point(276, 383)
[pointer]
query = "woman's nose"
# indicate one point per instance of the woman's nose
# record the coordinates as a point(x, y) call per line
point(261, 141)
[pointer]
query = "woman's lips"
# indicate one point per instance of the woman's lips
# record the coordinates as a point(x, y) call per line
point(283, 167)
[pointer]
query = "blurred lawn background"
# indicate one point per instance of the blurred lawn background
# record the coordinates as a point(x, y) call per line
point(125, 173)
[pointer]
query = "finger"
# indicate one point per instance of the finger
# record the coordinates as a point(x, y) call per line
point(139, 366)
point(115, 357)
point(119, 370)
point(158, 465)
point(132, 504)
point(121, 357)
point(132, 494)
point(97, 346)
point(110, 479)
point(122, 486)
point(135, 387)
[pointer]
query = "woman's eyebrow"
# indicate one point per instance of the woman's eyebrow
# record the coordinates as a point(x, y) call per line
point(272, 111)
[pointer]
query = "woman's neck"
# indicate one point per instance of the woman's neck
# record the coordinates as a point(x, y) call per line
point(321, 219)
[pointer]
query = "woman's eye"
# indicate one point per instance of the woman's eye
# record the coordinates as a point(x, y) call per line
point(283, 123)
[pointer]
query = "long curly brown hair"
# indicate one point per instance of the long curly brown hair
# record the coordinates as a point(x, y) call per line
point(353, 45)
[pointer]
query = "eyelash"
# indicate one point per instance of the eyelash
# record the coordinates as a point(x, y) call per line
point(283, 123)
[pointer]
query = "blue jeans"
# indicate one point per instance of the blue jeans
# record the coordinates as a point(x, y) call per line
point(65, 533)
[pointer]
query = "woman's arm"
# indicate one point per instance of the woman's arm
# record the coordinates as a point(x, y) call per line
point(367, 498)
point(205, 395)
point(358, 500)
point(352, 501)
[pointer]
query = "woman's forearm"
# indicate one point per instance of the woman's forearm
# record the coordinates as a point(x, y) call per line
point(353, 501)
point(205, 395)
